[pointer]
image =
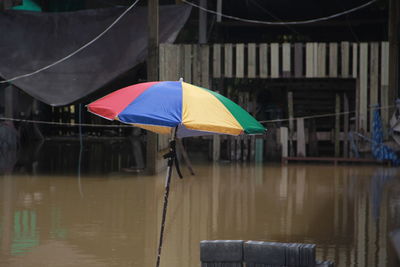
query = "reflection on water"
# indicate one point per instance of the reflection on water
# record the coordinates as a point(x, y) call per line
point(347, 211)
point(62, 157)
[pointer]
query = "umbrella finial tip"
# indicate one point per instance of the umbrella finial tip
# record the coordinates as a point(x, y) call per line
point(181, 79)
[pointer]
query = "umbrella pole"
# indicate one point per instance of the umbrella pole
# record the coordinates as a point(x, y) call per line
point(171, 158)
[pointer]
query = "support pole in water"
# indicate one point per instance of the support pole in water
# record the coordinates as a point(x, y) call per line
point(171, 156)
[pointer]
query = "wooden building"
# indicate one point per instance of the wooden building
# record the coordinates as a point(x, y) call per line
point(299, 75)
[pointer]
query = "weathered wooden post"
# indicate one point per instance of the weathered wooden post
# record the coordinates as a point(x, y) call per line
point(152, 75)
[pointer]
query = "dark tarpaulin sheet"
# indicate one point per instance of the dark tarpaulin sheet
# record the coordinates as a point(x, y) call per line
point(32, 40)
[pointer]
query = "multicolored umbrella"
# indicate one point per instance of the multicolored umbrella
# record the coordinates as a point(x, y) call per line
point(179, 109)
point(163, 106)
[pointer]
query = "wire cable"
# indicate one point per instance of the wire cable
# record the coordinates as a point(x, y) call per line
point(258, 5)
point(323, 115)
point(66, 123)
point(126, 125)
point(76, 51)
point(282, 22)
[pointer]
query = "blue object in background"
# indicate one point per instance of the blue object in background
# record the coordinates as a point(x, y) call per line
point(379, 150)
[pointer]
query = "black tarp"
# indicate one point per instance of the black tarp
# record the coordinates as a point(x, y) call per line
point(32, 40)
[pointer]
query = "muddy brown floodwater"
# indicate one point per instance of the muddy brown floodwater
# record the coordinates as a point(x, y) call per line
point(113, 220)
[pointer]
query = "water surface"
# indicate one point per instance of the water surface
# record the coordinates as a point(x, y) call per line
point(113, 219)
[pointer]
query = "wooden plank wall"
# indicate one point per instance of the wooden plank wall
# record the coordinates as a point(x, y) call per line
point(367, 62)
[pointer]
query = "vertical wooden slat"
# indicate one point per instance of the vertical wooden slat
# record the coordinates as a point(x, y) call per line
point(259, 145)
point(385, 83)
point(333, 59)
point(284, 141)
point(205, 66)
point(286, 59)
point(357, 105)
point(298, 60)
point(251, 62)
point(355, 60)
point(345, 53)
point(373, 79)
point(312, 138)
point(168, 52)
point(171, 60)
point(228, 60)
point(315, 58)
point(263, 60)
point(195, 64)
point(291, 123)
point(239, 60)
point(301, 138)
point(346, 126)
point(275, 60)
point(309, 60)
point(321, 70)
point(216, 147)
point(363, 116)
point(252, 147)
point(181, 53)
point(337, 126)
point(187, 74)
point(216, 60)
point(162, 62)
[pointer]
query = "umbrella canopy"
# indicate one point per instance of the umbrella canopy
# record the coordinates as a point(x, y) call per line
point(163, 106)
point(179, 109)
